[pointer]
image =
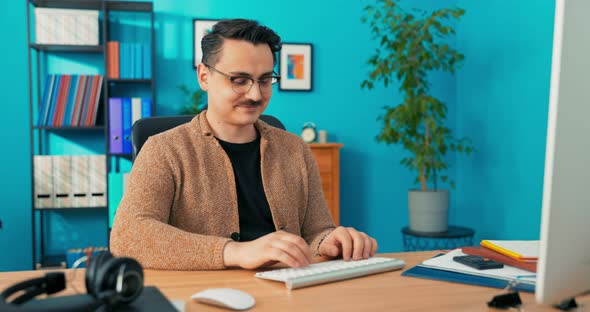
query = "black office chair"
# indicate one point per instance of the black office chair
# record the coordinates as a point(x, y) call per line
point(146, 127)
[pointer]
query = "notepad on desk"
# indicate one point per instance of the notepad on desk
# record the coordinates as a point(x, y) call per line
point(521, 250)
point(508, 273)
point(444, 268)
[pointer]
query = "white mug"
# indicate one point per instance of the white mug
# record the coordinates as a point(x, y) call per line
point(322, 136)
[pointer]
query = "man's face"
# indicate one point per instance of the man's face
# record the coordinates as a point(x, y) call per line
point(237, 58)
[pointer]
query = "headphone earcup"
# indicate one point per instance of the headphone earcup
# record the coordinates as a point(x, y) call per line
point(109, 281)
point(95, 263)
point(49, 284)
point(118, 280)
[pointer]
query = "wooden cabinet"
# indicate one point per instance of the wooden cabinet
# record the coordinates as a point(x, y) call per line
point(328, 157)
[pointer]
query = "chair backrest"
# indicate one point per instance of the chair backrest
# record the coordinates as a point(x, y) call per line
point(146, 127)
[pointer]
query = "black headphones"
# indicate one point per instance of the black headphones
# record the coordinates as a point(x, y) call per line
point(110, 281)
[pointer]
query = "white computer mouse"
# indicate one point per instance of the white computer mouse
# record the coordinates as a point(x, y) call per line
point(225, 298)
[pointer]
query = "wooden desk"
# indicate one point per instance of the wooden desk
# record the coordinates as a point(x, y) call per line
point(381, 292)
point(327, 155)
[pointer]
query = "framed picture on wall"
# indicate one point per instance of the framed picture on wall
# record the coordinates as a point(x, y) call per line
point(295, 67)
point(201, 27)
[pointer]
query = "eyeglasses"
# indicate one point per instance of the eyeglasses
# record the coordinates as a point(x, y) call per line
point(243, 84)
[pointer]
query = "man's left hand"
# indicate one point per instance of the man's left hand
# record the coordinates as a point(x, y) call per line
point(349, 243)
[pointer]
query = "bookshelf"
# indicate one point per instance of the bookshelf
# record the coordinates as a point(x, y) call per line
point(97, 131)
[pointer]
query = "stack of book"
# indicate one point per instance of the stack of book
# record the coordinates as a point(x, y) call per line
point(66, 26)
point(520, 254)
point(65, 181)
point(123, 113)
point(75, 254)
point(70, 100)
point(519, 270)
point(129, 60)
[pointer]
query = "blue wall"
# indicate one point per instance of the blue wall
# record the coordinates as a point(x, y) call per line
point(499, 99)
point(373, 184)
point(502, 103)
point(15, 177)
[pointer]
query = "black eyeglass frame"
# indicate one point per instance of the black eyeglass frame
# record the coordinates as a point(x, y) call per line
point(275, 79)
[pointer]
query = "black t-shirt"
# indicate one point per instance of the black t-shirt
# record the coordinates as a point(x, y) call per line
point(254, 211)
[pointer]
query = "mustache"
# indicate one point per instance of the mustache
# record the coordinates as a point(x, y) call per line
point(251, 103)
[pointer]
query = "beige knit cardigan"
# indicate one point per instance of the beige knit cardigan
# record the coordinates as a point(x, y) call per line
point(180, 206)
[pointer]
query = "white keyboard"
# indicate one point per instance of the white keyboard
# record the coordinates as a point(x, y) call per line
point(331, 271)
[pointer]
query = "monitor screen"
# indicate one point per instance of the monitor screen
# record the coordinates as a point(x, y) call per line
point(564, 258)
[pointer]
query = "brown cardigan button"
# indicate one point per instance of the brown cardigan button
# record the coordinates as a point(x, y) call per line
point(235, 236)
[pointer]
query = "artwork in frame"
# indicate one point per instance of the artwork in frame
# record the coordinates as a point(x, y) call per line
point(296, 67)
point(201, 27)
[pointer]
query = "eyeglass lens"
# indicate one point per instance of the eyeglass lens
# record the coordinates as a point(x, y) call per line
point(243, 85)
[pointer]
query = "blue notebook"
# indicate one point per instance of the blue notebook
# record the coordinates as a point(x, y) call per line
point(441, 275)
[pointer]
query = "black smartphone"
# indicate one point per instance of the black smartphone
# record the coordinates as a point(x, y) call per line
point(478, 262)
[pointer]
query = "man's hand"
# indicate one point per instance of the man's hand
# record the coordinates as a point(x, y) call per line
point(275, 247)
point(348, 242)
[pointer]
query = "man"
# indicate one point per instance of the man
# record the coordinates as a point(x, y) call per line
point(226, 189)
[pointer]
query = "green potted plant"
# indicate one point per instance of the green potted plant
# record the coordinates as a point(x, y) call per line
point(411, 45)
point(195, 102)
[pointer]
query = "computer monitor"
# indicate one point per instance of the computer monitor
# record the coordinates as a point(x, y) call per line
point(564, 257)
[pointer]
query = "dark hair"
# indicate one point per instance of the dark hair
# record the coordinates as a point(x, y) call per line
point(241, 29)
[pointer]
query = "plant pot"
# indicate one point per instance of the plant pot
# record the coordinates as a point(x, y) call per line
point(428, 210)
